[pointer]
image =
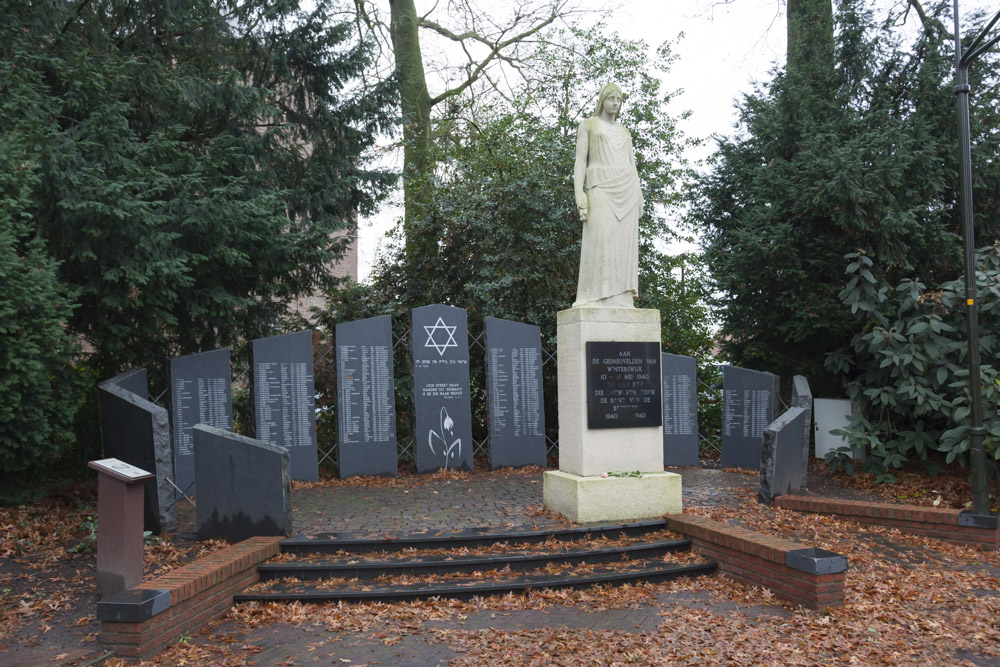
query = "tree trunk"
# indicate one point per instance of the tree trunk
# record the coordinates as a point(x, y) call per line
point(415, 101)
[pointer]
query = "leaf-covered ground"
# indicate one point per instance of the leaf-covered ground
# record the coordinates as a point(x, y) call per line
point(48, 584)
point(910, 601)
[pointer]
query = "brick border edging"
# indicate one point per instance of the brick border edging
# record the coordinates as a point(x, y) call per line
point(811, 577)
point(139, 622)
point(945, 524)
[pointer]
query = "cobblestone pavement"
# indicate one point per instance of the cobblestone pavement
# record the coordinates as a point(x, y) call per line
point(497, 501)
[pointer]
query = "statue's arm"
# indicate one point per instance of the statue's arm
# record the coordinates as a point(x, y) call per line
point(580, 169)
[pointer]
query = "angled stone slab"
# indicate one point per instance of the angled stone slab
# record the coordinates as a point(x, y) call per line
point(201, 392)
point(439, 343)
point(136, 431)
point(748, 406)
point(515, 397)
point(781, 455)
point(680, 410)
point(284, 398)
point(134, 380)
point(244, 486)
point(802, 398)
point(366, 398)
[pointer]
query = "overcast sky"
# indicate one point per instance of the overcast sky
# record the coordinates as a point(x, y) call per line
point(726, 47)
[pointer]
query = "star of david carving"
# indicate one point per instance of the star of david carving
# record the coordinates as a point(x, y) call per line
point(433, 336)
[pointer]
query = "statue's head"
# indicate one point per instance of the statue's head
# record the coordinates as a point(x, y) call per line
point(608, 89)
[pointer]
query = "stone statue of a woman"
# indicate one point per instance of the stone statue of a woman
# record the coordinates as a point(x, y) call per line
point(609, 199)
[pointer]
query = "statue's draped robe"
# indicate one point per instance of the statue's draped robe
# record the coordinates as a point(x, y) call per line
point(609, 257)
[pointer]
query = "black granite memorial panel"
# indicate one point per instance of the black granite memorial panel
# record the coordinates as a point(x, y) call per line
point(284, 398)
point(136, 431)
point(748, 402)
point(201, 392)
point(439, 342)
point(680, 410)
point(623, 385)
point(515, 396)
point(366, 397)
point(244, 486)
point(781, 455)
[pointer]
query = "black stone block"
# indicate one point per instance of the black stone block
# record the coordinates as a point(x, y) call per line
point(813, 560)
point(969, 519)
point(133, 606)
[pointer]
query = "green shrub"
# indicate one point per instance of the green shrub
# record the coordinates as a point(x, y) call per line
point(907, 368)
point(40, 391)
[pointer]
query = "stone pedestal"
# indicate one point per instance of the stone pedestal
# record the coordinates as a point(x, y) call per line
point(587, 499)
point(577, 490)
point(119, 525)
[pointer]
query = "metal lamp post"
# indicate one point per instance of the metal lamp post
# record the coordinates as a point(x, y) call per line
point(980, 494)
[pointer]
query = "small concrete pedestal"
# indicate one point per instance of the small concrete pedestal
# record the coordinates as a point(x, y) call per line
point(119, 525)
point(577, 490)
point(588, 499)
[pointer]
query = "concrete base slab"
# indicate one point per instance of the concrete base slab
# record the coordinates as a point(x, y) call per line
point(587, 499)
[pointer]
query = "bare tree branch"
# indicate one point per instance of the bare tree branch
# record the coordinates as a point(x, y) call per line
point(495, 46)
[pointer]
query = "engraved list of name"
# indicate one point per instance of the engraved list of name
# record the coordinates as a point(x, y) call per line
point(514, 395)
point(284, 397)
point(366, 402)
point(746, 412)
point(623, 385)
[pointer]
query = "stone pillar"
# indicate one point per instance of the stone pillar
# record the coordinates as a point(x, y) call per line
point(587, 486)
point(119, 525)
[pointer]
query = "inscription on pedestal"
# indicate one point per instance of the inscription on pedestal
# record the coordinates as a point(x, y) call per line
point(623, 385)
point(514, 382)
point(366, 397)
point(284, 399)
point(201, 392)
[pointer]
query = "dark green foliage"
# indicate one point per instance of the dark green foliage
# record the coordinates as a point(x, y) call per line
point(195, 161)
point(40, 391)
point(192, 166)
point(500, 235)
point(865, 162)
point(909, 370)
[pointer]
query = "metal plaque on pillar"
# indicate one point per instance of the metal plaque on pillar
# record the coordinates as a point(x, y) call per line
point(439, 342)
point(514, 387)
point(680, 410)
point(748, 407)
point(366, 398)
point(201, 392)
point(623, 385)
point(284, 399)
